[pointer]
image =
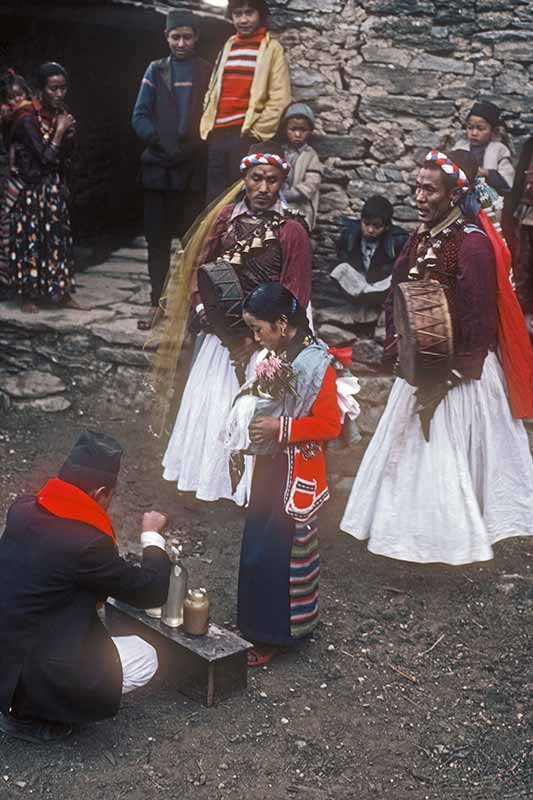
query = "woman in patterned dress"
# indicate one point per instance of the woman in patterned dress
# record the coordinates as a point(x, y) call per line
point(40, 249)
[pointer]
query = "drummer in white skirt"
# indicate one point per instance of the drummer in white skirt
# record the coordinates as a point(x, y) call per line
point(265, 243)
point(449, 472)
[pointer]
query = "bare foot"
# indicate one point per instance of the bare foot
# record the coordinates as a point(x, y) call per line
point(152, 319)
point(28, 307)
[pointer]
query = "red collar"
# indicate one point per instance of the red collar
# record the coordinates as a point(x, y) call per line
point(65, 500)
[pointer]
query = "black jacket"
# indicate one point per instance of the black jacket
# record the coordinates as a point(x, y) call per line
point(170, 161)
point(54, 650)
point(387, 251)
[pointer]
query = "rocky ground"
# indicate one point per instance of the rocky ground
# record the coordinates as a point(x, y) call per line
point(418, 683)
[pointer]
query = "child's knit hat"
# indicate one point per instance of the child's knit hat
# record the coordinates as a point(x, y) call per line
point(299, 110)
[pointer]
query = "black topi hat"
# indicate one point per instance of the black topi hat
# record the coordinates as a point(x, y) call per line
point(379, 207)
point(489, 111)
point(94, 461)
point(181, 19)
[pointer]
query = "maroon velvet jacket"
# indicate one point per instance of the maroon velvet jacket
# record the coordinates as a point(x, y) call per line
point(466, 266)
point(295, 256)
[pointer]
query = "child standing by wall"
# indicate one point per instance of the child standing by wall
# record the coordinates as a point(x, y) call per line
point(483, 140)
point(302, 187)
point(249, 88)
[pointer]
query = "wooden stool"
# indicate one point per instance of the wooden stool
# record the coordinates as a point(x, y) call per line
point(205, 668)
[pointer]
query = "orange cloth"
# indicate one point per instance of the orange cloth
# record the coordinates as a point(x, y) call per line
point(65, 500)
point(513, 336)
point(325, 419)
point(307, 487)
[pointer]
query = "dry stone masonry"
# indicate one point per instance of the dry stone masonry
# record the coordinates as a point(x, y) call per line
point(389, 79)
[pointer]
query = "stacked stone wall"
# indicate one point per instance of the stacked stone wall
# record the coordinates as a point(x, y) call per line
point(389, 79)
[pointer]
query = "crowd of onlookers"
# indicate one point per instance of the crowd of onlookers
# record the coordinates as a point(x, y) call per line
point(197, 122)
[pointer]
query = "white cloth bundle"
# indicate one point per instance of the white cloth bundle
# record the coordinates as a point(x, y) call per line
point(235, 433)
point(347, 387)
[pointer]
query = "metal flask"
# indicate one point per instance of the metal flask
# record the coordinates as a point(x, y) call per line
point(177, 589)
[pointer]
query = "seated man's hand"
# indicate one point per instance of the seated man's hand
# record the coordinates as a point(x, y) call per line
point(154, 521)
point(242, 351)
point(264, 429)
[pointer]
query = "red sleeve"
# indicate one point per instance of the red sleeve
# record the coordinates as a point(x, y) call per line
point(296, 260)
point(325, 419)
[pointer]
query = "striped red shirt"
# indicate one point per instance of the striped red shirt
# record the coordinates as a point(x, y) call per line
point(237, 80)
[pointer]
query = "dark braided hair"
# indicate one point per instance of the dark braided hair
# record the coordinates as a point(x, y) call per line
point(271, 301)
point(48, 70)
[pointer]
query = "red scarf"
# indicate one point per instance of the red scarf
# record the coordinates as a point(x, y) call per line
point(513, 337)
point(65, 500)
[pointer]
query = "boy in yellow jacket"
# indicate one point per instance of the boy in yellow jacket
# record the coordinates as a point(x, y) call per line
point(249, 89)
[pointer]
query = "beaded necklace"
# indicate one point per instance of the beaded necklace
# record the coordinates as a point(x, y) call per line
point(47, 127)
point(435, 256)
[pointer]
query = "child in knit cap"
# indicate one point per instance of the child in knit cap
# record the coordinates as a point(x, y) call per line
point(302, 187)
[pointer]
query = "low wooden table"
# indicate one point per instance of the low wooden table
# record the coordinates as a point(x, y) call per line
point(205, 668)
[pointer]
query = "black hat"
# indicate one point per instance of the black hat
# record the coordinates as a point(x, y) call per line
point(181, 19)
point(94, 461)
point(488, 111)
point(377, 206)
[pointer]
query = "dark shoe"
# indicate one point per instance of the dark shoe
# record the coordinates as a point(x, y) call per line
point(36, 731)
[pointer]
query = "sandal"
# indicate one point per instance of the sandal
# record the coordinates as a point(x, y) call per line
point(150, 321)
point(258, 658)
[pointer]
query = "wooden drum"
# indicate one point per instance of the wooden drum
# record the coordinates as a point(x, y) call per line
point(424, 327)
point(222, 296)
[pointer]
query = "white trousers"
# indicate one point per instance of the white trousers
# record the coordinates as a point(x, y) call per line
point(138, 659)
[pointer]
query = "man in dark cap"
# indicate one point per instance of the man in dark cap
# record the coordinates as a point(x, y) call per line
point(166, 118)
point(58, 560)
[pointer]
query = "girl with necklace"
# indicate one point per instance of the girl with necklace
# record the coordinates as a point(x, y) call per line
point(40, 247)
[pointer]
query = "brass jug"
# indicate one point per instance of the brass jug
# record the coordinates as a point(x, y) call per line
point(196, 612)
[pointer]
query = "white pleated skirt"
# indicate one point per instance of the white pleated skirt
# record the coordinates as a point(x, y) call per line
point(196, 458)
point(450, 499)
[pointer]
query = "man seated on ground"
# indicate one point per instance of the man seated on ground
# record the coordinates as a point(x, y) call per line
point(367, 251)
point(58, 561)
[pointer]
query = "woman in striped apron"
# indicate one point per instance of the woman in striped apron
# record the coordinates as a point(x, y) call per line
point(280, 565)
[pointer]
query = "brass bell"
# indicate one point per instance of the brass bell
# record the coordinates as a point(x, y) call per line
point(270, 235)
point(236, 259)
point(257, 243)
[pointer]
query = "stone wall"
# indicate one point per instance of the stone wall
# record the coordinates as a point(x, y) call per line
point(389, 79)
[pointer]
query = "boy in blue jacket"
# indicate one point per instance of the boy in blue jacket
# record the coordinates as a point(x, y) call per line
point(166, 118)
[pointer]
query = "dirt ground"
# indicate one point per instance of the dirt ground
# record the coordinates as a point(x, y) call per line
point(416, 686)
